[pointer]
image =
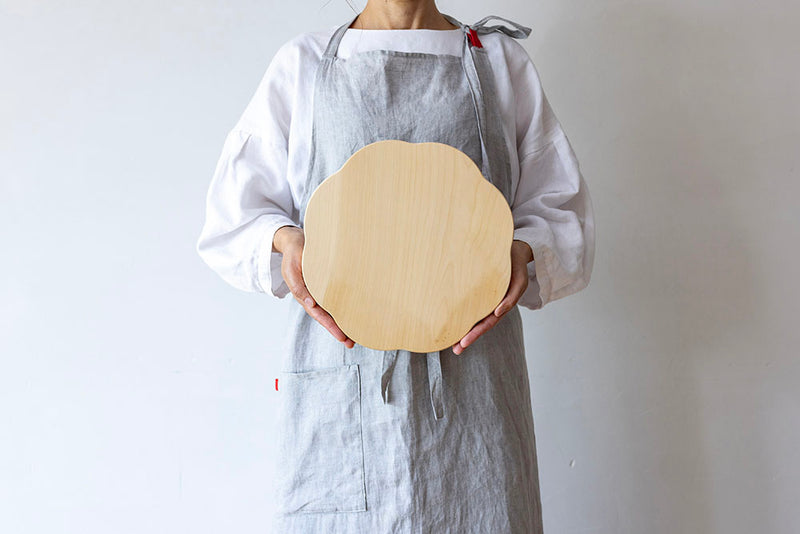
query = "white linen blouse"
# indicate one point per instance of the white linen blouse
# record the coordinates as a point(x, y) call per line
point(255, 187)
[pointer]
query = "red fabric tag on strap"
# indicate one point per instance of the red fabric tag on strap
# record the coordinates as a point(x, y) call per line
point(473, 38)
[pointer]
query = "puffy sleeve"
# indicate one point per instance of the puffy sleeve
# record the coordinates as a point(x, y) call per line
point(552, 209)
point(249, 197)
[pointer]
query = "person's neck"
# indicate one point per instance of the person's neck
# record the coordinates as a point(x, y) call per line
point(401, 15)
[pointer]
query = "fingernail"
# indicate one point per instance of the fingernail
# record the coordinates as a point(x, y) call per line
point(309, 301)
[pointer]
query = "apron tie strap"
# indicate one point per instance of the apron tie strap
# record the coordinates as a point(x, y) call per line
point(435, 383)
point(389, 360)
point(435, 379)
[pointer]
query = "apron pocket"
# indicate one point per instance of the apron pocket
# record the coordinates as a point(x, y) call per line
point(320, 444)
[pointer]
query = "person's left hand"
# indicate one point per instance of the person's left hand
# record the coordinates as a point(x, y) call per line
point(521, 255)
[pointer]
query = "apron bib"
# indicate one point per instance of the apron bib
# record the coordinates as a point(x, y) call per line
point(343, 449)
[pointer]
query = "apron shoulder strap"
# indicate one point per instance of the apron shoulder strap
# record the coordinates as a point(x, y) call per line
point(518, 31)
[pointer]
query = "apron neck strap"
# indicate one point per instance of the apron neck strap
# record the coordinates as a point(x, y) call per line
point(333, 43)
point(518, 31)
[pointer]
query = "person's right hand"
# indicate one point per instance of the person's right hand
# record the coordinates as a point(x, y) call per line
point(290, 240)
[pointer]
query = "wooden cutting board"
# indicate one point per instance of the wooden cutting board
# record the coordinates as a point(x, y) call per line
point(407, 246)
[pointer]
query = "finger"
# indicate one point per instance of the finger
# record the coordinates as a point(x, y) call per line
point(477, 331)
point(325, 319)
point(516, 286)
point(298, 287)
point(300, 292)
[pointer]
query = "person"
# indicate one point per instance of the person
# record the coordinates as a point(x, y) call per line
point(395, 441)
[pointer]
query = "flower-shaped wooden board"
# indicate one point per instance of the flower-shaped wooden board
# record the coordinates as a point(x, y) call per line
point(407, 246)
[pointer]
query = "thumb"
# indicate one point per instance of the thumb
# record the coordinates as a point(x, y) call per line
point(298, 285)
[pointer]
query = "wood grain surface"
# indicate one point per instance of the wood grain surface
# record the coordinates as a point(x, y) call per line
point(407, 246)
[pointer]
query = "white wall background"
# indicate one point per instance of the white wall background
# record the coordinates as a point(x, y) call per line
point(136, 387)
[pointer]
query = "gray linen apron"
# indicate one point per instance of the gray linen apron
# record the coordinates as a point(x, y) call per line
point(394, 441)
